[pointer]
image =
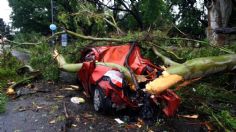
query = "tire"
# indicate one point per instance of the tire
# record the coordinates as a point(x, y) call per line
point(100, 102)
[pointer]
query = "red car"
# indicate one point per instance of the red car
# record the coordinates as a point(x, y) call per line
point(108, 87)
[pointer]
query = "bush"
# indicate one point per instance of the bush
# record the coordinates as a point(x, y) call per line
point(41, 59)
point(3, 100)
point(27, 37)
point(7, 72)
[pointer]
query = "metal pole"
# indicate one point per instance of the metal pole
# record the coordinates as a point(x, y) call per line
point(52, 14)
point(52, 10)
point(52, 20)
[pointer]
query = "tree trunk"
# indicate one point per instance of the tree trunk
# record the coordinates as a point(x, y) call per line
point(191, 69)
point(219, 12)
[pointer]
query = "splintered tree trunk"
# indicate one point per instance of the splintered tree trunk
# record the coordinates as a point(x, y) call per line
point(219, 12)
point(191, 69)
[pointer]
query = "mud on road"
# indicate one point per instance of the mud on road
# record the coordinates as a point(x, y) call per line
point(41, 107)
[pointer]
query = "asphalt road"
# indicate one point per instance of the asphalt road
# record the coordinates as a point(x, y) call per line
point(22, 56)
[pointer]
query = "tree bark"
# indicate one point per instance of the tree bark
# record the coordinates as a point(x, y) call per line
point(219, 12)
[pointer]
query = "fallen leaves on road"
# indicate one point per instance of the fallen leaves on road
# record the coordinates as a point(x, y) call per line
point(87, 115)
point(59, 96)
point(30, 86)
point(52, 121)
point(139, 123)
point(74, 87)
point(68, 89)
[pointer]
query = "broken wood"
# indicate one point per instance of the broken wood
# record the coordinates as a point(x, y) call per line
point(11, 89)
point(29, 69)
point(191, 69)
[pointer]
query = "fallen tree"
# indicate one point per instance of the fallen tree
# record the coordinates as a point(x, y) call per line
point(189, 70)
point(175, 73)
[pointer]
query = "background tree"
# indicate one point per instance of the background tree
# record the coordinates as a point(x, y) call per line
point(82, 18)
point(131, 15)
point(136, 14)
point(29, 16)
point(4, 29)
point(190, 18)
point(2, 26)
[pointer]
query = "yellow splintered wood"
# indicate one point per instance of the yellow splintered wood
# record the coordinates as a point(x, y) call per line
point(162, 83)
point(10, 91)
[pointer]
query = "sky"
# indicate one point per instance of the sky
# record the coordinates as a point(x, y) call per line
point(5, 11)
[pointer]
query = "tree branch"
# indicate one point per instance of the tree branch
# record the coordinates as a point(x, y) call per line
point(167, 61)
point(109, 7)
point(135, 15)
point(75, 67)
point(93, 38)
point(167, 51)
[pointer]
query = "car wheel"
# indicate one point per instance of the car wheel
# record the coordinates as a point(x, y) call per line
point(97, 99)
point(100, 102)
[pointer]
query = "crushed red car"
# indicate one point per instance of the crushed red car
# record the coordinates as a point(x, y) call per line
point(108, 87)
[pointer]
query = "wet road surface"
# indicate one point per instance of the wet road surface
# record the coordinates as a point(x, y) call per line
point(40, 108)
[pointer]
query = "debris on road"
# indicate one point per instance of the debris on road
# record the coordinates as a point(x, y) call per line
point(119, 121)
point(74, 87)
point(77, 100)
point(189, 116)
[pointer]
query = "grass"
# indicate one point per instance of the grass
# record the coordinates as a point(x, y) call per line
point(8, 67)
point(3, 101)
point(41, 59)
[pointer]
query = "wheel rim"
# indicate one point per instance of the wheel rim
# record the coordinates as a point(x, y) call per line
point(96, 100)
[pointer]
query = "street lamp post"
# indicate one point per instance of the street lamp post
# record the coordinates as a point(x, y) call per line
point(52, 26)
point(52, 12)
